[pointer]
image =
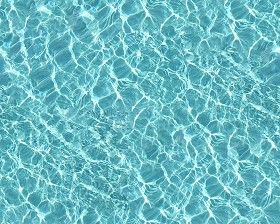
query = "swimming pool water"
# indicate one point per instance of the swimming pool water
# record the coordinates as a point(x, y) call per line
point(140, 111)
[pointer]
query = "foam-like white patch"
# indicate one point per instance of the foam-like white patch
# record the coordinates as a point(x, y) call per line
point(87, 15)
point(44, 9)
point(276, 50)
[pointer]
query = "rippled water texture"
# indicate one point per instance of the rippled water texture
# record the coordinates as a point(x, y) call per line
point(139, 111)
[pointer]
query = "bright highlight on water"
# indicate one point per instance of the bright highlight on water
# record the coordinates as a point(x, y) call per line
point(139, 111)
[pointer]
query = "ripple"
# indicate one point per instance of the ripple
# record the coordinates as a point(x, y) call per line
point(139, 111)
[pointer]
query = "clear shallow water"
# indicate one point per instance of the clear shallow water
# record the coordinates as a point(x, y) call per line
point(139, 111)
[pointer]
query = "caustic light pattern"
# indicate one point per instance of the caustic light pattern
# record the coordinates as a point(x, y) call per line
point(140, 111)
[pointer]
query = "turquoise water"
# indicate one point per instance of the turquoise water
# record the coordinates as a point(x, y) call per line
point(140, 111)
